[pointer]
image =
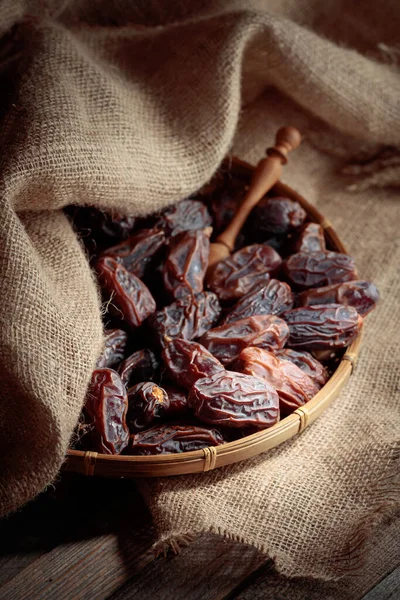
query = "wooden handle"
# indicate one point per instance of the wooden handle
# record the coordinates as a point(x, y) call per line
point(265, 176)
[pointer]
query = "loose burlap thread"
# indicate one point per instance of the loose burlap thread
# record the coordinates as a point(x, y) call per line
point(132, 106)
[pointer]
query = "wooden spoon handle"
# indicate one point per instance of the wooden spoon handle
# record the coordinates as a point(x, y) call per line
point(265, 176)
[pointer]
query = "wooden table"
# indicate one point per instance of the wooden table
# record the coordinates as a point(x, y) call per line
point(90, 538)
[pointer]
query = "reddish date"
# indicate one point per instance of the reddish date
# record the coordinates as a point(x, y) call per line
point(136, 253)
point(315, 269)
point(311, 239)
point(236, 276)
point(128, 292)
point(272, 298)
point(147, 403)
point(114, 348)
point(189, 361)
point(276, 216)
point(186, 263)
point(227, 341)
point(322, 327)
point(167, 439)
point(178, 404)
point(362, 295)
point(142, 365)
point(230, 399)
point(106, 405)
point(307, 363)
point(187, 318)
point(293, 386)
point(187, 215)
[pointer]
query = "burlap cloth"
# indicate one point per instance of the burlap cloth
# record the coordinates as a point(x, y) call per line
point(131, 106)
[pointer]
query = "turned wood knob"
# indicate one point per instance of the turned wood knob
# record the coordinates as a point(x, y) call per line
point(287, 139)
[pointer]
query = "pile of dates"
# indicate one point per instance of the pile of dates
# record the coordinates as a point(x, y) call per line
point(191, 362)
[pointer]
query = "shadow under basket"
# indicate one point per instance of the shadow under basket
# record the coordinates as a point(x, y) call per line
point(92, 463)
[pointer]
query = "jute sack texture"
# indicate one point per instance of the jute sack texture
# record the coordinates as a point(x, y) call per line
point(131, 106)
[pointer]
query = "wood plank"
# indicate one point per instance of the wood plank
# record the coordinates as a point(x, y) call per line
point(387, 589)
point(208, 569)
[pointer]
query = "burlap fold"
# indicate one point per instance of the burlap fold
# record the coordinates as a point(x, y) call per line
point(129, 106)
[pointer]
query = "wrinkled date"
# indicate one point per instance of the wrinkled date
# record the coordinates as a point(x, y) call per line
point(276, 215)
point(316, 269)
point(307, 363)
point(189, 361)
point(114, 348)
point(322, 327)
point(106, 405)
point(294, 387)
point(311, 239)
point(178, 404)
point(129, 294)
point(272, 298)
point(136, 253)
point(227, 341)
point(187, 318)
point(187, 215)
point(174, 438)
point(147, 403)
point(142, 365)
point(230, 399)
point(362, 295)
point(232, 278)
point(186, 263)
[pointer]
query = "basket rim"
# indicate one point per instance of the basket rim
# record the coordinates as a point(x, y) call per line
point(260, 441)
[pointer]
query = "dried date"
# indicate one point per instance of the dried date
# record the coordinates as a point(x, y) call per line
point(189, 361)
point(311, 239)
point(147, 403)
point(136, 253)
point(186, 263)
point(227, 341)
point(272, 298)
point(237, 275)
point(178, 404)
point(187, 215)
point(230, 399)
point(316, 269)
point(293, 386)
point(362, 295)
point(167, 439)
point(106, 406)
point(114, 348)
point(128, 292)
point(307, 363)
point(142, 365)
point(187, 318)
point(322, 327)
point(276, 216)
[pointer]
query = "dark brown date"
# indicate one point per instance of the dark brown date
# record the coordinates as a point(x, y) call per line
point(362, 295)
point(186, 263)
point(128, 292)
point(142, 365)
point(272, 298)
point(227, 341)
point(322, 327)
point(294, 387)
point(230, 399)
point(187, 318)
point(307, 363)
point(178, 404)
point(187, 215)
point(311, 239)
point(316, 269)
point(147, 403)
point(136, 252)
point(237, 275)
point(276, 215)
point(167, 439)
point(106, 405)
point(114, 348)
point(189, 361)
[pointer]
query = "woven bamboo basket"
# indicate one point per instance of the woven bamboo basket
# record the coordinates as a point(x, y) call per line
point(92, 463)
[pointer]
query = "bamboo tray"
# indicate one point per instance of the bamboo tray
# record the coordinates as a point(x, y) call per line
point(92, 463)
